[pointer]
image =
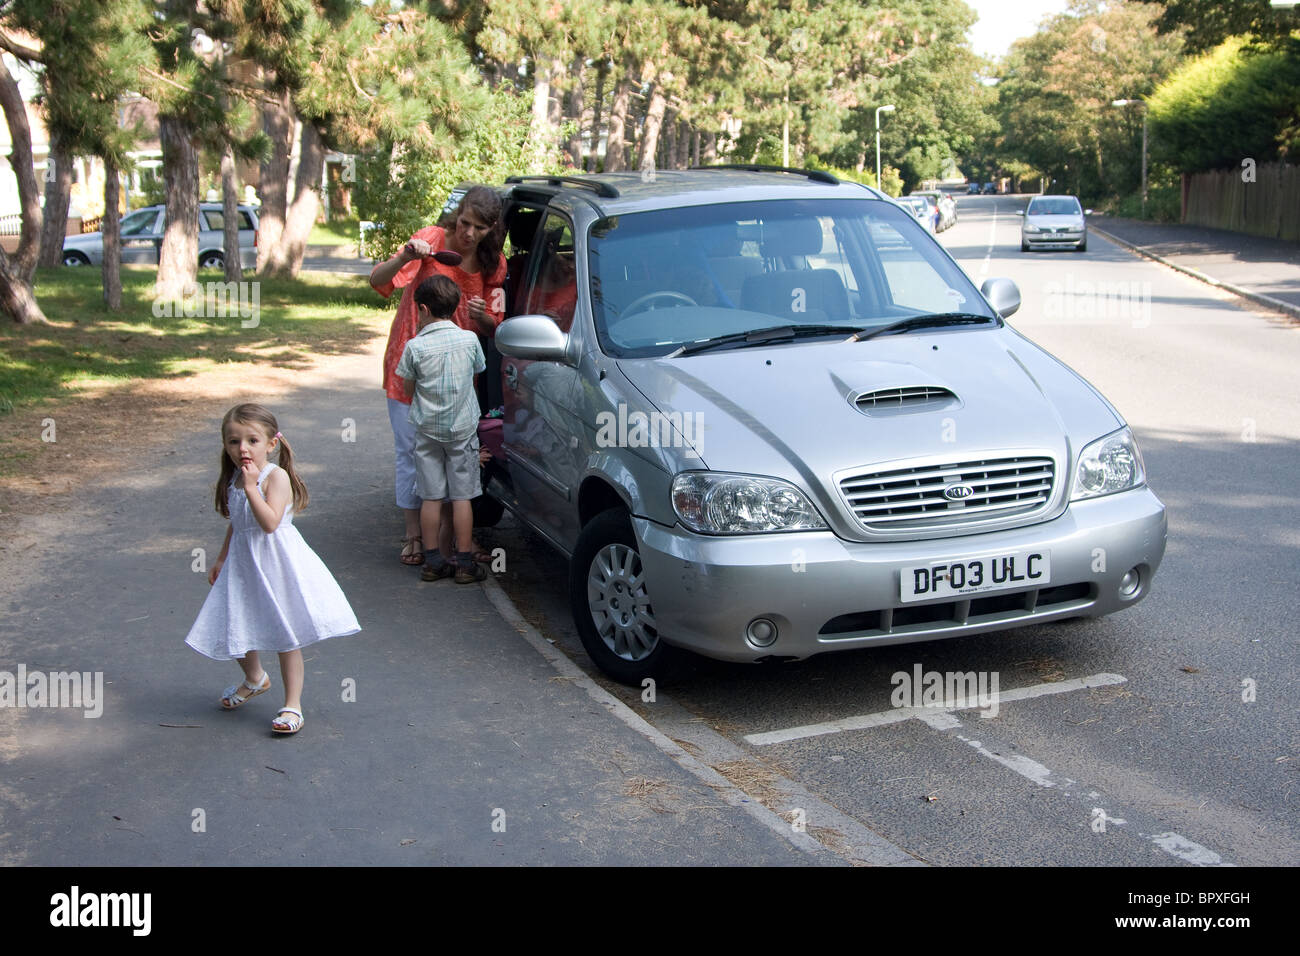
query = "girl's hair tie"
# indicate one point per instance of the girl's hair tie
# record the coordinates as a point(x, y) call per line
point(278, 435)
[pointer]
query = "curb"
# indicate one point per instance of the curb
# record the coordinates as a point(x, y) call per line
point(1257, 297)
point(864, 848)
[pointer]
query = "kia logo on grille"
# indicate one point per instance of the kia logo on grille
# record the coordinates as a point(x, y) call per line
point(958, 492)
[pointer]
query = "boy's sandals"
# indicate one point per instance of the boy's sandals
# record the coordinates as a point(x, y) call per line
point(412, 556)
point(290, 724)
point(231, 698)
point(444, 570)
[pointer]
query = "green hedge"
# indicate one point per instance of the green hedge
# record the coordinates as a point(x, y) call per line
point(1229, 104)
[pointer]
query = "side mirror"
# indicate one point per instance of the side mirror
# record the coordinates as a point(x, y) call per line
point(1087, 212)
point(1002, 294)
point(1020, 212)
point(535, 337)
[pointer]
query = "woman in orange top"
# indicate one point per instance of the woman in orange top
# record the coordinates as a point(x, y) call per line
point(476, 237)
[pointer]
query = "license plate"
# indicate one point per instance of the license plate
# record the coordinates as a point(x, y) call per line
point(1003, 572)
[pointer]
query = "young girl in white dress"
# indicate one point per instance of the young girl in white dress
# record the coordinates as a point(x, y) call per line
point(270, 592)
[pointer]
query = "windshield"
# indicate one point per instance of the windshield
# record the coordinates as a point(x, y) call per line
point(1061, 206)
point(664, 279)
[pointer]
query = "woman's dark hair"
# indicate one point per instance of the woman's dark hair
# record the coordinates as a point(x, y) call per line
point(486, 204)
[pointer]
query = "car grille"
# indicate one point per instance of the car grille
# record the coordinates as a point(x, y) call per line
point(905, 498)
point(1008, 607)
point(910, 396)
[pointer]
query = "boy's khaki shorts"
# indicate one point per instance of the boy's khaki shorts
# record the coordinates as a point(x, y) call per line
point(447, 471)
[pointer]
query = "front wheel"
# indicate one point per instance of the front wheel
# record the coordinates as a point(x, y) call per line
point(610, 601)
point(212, 260)
point(71, 258)
point(1082, 247)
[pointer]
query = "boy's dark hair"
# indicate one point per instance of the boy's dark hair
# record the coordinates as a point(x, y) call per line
point(439, 294)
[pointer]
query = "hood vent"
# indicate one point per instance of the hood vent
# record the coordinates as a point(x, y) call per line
point(905, 398)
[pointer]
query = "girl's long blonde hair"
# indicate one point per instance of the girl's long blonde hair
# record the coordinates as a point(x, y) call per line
point(250, 414)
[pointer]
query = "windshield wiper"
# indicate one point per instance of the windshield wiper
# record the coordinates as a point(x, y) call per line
point(934, 320)
point(775, 333)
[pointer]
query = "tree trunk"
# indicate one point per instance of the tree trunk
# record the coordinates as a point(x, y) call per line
point(667, 156)
point(683, 145)
point(710, 149)
point(574, 112)
point(20, 161)
point(306, 201)
point(695, 147)
point(654, 119)
point(16, 299)
point(614, 146)
point(58, 192)
point(540, 130)
point(111, 267)
point(178, 260)
point(277, 123)
point(230, 217)
point(601, 72)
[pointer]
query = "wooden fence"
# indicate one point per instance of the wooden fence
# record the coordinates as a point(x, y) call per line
point(1222, 199)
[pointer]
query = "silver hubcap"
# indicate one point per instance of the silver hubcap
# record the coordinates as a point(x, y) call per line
point(620, 604)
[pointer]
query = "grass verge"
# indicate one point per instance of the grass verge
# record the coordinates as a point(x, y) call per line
point(87, 346)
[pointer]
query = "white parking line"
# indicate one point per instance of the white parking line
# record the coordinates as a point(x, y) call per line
point(930, 715)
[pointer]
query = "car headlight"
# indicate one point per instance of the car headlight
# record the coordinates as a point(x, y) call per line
point(1029, 228)
point(716, 503)
point(1108, 465)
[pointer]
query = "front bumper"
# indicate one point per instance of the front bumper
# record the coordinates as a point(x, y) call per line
point(1052, 240)
point(826, 594)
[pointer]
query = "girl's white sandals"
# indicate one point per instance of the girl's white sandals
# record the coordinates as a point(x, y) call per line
point(290, 724)
point(230, 698)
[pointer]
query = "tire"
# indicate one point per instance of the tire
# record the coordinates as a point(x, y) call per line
point(1024, 246)
point(73, 258)
point(212, 260)
point(1082, 247)
point(605, 572)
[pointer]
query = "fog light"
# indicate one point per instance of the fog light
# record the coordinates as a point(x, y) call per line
point(761, 632)
point(1129, 583)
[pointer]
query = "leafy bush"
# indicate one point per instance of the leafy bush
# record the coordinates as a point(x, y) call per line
point(405, 189)
point(1235, 101)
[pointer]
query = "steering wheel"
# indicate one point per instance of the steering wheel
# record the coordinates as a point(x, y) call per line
point(635, 305)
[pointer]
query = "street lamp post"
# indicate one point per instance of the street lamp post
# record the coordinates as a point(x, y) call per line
point(880, 109)
point(1144, 146)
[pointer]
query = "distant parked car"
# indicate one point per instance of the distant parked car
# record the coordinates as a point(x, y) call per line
point(142, 233)
point(1054, 222)
point(922, 210)
point(989, 189)
point(972, 189)
point(946, 205)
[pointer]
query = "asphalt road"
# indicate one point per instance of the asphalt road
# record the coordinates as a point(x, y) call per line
point(1165, 759)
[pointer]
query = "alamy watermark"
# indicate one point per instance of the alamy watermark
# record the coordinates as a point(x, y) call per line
point(1099, 301)
point(215, 300)
point(654, 430)
point(952, 690)
point(80, 690)
point(76, 909)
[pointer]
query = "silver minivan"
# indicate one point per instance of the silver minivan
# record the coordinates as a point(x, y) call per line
point(765, 415)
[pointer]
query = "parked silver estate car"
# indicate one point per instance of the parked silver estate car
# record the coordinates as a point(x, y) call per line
point(142, 232)
point(1054, 222)
point(765, 415)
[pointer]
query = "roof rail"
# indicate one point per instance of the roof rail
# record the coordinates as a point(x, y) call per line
point(601, 189)
point(816, 175)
